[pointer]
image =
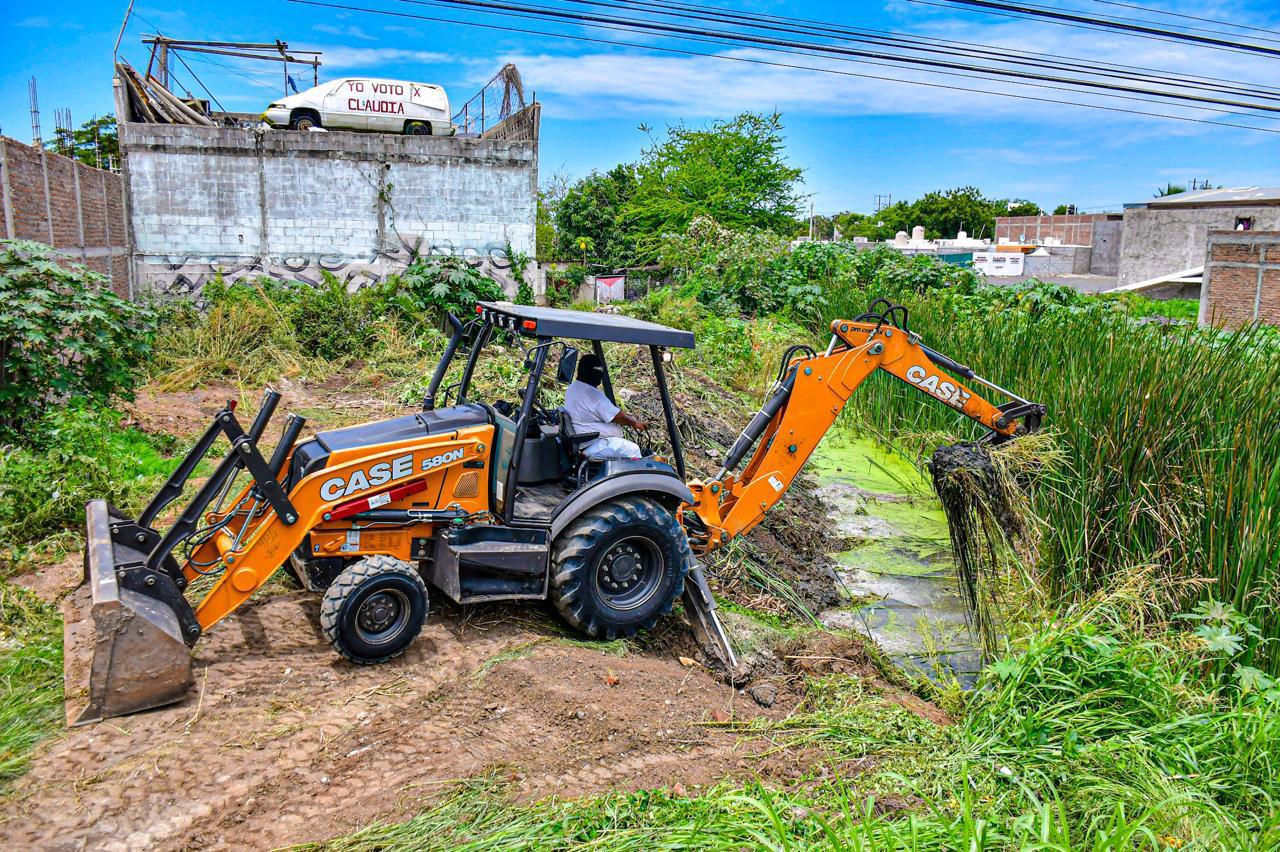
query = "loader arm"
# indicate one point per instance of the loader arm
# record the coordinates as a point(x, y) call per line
point(810, 394)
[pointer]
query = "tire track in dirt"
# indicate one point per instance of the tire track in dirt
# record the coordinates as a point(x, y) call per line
point(281, 741)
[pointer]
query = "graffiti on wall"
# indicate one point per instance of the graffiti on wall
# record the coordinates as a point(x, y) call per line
point(186, 276)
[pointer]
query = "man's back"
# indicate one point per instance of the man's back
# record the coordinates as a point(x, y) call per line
point(591, 411)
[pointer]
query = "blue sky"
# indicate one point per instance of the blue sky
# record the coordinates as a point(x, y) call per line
point(855, 138)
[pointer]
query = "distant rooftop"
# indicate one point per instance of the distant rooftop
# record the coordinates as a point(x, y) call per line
point(1249, 195)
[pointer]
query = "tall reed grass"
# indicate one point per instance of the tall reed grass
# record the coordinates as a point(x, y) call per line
point(1171, 437)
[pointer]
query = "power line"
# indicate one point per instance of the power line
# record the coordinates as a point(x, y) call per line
point(945, 4)
point(1184, 16)
point(839, 52)
point(1002, 53)
point(961, 49)
point(1185, 27)
point(755, 61)
point(1108, 23)
point(726, 40)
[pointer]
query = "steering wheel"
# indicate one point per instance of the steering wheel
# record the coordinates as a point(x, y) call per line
point(641, 439)
point(540, 414)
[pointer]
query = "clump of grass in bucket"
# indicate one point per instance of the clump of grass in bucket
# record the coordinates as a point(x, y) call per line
point(985, 493)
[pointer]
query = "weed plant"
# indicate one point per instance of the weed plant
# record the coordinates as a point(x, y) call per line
point(30, 677)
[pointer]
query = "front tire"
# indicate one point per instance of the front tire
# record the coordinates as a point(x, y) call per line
point(304, 120)
point(619, 567)
point(374, 609)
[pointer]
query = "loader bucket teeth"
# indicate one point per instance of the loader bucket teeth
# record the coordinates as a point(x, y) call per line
point(122, 650)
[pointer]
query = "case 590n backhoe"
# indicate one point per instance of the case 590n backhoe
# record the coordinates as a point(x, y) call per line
point(480, 501)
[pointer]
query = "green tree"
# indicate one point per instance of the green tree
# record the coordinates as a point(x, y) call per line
point(95, 143)
point(943, 214)
point(592, 208)
point(1169, 189)
point(734, 172)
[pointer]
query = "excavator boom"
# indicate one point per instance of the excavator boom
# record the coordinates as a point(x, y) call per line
point(810, 393)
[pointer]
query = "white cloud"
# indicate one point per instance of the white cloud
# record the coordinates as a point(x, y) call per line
point(40, 22)
point(348, 32)
point(1019, 156)
point(352, 58)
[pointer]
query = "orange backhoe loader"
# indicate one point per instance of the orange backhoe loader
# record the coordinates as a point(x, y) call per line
point(479, 501)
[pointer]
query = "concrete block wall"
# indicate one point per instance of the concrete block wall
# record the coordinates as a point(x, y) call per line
point(1060, 260)
point(1241, 278)
point(1164, 241)
point(61, 202)
point(291, 205)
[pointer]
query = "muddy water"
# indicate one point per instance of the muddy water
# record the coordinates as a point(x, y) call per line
point(898, 574)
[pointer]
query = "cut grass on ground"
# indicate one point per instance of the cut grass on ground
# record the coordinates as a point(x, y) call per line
point(30, 677)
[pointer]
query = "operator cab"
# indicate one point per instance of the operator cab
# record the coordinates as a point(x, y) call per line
point(538, 453)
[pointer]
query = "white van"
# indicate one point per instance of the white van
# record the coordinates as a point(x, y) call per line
point(363, 103)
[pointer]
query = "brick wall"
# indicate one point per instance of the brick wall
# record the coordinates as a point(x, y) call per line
point(1241, 278)
point(73, 207)
point(208, 201)
point(1068, 230)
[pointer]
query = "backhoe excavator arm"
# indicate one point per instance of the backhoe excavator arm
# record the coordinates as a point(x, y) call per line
point(811, 391)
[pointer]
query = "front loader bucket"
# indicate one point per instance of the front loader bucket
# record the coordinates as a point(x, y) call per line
point(122, 650)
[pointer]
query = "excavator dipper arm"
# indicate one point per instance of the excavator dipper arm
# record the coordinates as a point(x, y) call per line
point(807, 399)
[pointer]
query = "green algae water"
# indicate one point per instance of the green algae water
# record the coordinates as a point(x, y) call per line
point(898, 570)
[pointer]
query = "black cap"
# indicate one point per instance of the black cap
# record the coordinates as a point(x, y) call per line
point(591, 370)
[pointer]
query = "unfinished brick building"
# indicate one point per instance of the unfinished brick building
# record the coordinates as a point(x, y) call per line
point(1241, 278)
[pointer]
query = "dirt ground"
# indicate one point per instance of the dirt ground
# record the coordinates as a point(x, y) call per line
point(281, 741)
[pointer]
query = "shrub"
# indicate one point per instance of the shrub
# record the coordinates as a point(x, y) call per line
point(63, 332)
point(245, 334)
point(439, 284)
point(333, 323)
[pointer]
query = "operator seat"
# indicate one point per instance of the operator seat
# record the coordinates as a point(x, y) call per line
point(572, 443)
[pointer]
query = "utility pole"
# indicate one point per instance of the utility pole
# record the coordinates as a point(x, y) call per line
point(883, 201)
point(810, 221)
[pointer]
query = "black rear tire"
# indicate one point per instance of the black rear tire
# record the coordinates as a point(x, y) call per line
point(619, 567)
point(374, 609)
point(417, 128)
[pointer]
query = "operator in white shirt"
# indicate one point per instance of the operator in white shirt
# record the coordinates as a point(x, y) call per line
point(591, 411)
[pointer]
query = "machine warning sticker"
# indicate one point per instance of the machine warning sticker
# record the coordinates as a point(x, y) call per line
point(379, 500)
point(776, 483)
point(353, 541)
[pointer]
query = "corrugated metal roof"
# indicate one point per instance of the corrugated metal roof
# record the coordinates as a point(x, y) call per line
point(1242, 196)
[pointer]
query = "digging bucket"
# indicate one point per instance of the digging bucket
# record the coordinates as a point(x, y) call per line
point(122, 650)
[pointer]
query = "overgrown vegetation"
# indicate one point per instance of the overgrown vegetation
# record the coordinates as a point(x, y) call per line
point(63, 333)
point(30, 677)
